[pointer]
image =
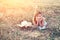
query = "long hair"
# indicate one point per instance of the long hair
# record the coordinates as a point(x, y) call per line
point(36, 16)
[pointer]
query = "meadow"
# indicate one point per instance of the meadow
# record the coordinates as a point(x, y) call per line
point(9, 17)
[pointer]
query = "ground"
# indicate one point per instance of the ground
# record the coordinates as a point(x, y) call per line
point(9, 30)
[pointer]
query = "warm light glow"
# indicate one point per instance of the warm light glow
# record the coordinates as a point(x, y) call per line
point(16, 2)
point(20, 6)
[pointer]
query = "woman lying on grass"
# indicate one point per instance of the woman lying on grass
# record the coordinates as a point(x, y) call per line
point(39, 20)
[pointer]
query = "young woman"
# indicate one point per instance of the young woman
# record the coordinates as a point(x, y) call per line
point(39, 20)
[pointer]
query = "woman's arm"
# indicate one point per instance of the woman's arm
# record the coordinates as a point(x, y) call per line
point(42, 22)
point(34, 22)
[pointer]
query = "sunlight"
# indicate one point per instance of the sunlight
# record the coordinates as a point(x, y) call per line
point(16, 2)
point(25, 5)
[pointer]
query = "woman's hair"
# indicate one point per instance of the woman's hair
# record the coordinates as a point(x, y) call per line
point(36, 16)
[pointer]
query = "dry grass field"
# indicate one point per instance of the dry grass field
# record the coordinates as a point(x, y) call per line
point(9, 30)
point(11, 16)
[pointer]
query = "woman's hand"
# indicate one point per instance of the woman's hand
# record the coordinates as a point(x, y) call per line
point(42, 22)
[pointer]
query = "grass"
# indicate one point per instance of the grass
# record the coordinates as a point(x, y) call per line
point(8, 30)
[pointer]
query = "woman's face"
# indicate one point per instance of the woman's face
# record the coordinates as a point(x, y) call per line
point(39, 15)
